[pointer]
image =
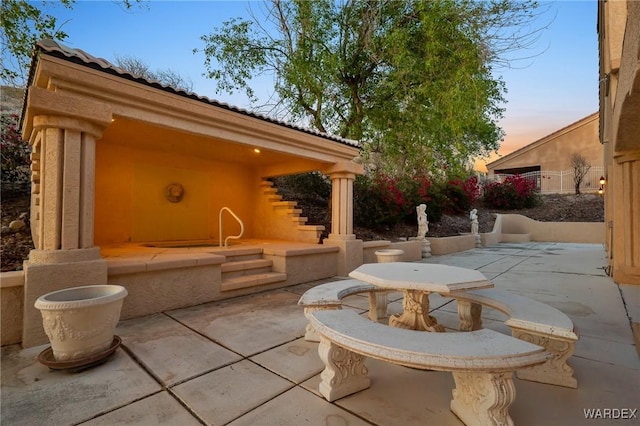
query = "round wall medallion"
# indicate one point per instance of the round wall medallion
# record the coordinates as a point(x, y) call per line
point(174, 192)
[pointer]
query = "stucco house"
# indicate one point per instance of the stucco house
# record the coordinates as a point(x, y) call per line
point(549, 158)
point(619, 44)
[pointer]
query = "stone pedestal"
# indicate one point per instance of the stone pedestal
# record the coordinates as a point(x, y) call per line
point(350, 255)
point(426, 246)
point(48, 271)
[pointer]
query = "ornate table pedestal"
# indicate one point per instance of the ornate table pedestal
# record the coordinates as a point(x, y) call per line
point(415, 314)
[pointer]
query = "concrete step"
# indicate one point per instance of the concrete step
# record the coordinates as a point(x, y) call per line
point(251, 280)
point(240, 255)
point(245, 267)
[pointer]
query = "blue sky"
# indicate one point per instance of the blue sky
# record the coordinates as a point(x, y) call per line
point(551, 90)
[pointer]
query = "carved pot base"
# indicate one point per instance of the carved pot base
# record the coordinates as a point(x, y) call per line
point(80, 321)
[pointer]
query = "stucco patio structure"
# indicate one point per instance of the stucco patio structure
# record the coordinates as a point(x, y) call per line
point(130, 178)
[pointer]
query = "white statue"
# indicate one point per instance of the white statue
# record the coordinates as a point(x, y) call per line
point(423, 223)
point(474, 221)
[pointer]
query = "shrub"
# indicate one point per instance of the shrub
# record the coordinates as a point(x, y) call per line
point(15, 172)
point(516, 192)
point(312, 187)
point(378, 201)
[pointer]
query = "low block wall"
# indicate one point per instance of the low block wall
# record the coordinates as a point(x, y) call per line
point(412, 250)
point(446, 245)
point(12, 307)
point(560, 232)
point(165, 283)
point(304, 265)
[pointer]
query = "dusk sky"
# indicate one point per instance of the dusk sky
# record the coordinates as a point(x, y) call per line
point(551, 90)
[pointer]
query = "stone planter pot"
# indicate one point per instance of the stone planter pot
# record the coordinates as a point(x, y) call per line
point(81, 321)
point(389, 255)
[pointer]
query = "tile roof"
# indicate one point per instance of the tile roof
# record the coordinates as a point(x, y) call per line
point(81, 57)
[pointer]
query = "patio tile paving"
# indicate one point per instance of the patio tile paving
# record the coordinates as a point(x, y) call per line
point(296, 361)
point(400, 396)
point(243, 360)
point(249, 324)
point(34, 395)
point(171, 351)
point(160, 408)
point(225, 394)
point(298, 407)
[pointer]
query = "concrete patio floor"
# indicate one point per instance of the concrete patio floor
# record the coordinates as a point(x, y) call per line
point(243, 361)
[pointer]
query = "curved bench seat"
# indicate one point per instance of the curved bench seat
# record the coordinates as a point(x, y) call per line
point(482, 362)
point(330, 295)
point(531, 321)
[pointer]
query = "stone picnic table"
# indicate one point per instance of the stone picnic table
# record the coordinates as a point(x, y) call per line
point(418, 281)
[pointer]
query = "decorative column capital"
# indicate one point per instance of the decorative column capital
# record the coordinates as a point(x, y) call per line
point(46, 108)
point(344, 169)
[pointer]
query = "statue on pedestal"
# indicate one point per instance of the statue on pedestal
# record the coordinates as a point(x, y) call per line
point(423, 223)
point(474, 221)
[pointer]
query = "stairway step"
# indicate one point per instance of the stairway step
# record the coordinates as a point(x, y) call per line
point(245, 281)
point(246, 267)
point(284, 204)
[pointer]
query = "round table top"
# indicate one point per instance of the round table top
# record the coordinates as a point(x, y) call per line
point(420, 276)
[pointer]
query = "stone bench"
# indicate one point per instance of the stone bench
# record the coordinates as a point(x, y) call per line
point(531, 321)
point(329, 296)
point(482, 362)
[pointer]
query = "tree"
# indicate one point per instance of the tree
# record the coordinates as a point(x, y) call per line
point(412, 80)
point(139, 68)
point(23, 24)
point(580, 167)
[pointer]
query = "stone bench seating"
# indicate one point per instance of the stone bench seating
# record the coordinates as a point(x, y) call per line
point(482, 362)
point(329, 296)
point(531, 321)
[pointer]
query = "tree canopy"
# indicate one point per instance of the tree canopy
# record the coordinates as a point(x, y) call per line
point(23, 24)
point(412, 80)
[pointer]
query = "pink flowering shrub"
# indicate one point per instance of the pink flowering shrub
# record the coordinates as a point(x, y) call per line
point(516, 192)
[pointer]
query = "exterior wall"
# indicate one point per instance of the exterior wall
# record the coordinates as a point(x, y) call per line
point(619, 43)
point(553, 152)
point(130, 196)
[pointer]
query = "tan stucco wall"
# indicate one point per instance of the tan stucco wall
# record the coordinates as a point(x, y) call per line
point(131, 204)
point(619, 43)
point(553, 152)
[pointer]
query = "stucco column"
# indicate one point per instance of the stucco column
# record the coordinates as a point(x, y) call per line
point(62, 130)
point(64, 186)
point(342, 205)
point(342, 177)
point(625, 185)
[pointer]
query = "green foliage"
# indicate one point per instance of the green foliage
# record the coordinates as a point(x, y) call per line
point(23, 24)
point(516, 192)
point(412, 80)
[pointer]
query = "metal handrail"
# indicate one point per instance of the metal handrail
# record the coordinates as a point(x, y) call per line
point(220, 227)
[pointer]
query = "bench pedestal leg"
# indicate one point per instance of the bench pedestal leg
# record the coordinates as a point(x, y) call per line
point(481, 399)
point(377, 305)
point(344, 371)
point(470, 315)
point(311, 335)
point(556, 370)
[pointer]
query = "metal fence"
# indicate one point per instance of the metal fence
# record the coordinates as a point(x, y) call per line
point(560, 182)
